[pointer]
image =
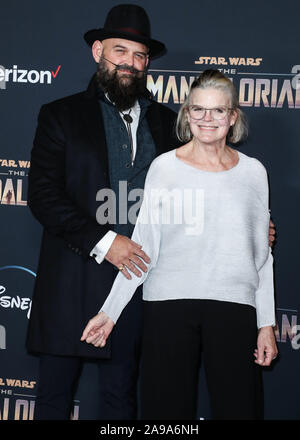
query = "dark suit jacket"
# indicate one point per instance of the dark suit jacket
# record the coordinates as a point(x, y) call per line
point(69, 164)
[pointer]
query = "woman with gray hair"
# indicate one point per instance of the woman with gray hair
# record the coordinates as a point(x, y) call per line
point(209, 287)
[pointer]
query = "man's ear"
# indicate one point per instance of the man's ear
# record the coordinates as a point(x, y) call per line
point(97, 50)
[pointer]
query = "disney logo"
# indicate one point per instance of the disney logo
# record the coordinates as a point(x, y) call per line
point(17, 302)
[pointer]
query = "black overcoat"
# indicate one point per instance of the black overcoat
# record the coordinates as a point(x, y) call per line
point(69, 165)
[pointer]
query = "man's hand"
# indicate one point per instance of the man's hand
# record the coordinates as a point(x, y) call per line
point(266, 350)
point(126, 254)
point(97, 330)
point(272, 233)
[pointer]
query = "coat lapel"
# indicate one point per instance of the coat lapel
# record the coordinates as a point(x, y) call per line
point(93, 120)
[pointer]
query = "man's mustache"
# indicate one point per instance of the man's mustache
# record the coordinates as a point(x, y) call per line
point(130, 69)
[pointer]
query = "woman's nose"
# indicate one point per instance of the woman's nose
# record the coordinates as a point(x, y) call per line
point(207, 115)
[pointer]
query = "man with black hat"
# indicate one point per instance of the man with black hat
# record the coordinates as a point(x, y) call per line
point(86, 146)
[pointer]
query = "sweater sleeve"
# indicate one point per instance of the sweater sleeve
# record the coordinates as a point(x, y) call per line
point(264, 296)
point(147, 234)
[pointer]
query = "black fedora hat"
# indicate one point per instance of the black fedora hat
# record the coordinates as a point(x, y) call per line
point(130, 22)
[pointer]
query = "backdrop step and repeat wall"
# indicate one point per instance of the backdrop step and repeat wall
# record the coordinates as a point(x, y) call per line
point(43, 57)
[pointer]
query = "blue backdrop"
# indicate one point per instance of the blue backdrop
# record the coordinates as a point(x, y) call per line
point(43, 57)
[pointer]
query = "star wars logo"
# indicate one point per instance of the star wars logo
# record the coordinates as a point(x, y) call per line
point(12, 182)
point(231, 61)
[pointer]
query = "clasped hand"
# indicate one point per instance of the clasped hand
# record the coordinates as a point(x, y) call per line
point(127, 255)
point(97, 330)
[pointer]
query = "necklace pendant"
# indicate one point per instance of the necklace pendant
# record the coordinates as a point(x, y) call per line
point(128, 118)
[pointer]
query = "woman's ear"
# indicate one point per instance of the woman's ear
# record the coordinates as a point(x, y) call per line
point(233, 117)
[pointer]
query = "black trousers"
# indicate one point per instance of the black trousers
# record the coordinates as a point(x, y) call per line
point(118, 376)
point(175, 333)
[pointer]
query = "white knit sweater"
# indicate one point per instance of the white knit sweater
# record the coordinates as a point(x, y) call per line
point(207, 236)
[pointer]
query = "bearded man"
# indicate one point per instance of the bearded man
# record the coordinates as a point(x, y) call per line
point(95, 143)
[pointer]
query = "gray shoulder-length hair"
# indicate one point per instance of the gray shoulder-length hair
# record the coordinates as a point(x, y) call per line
point(216, 80)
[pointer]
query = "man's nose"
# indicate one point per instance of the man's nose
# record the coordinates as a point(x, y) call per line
point(129, 59)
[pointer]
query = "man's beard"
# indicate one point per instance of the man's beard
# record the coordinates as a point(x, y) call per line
point(122, 93)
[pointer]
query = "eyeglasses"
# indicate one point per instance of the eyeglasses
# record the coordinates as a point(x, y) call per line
point(197, 112)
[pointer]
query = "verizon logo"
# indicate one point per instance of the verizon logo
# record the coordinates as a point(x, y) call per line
point(16, 75)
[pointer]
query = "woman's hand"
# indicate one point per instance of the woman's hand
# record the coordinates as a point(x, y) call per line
point(97, 330)
point(266, 350)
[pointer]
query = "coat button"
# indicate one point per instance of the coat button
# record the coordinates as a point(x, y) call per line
point(128, 165)
point(124, 146)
